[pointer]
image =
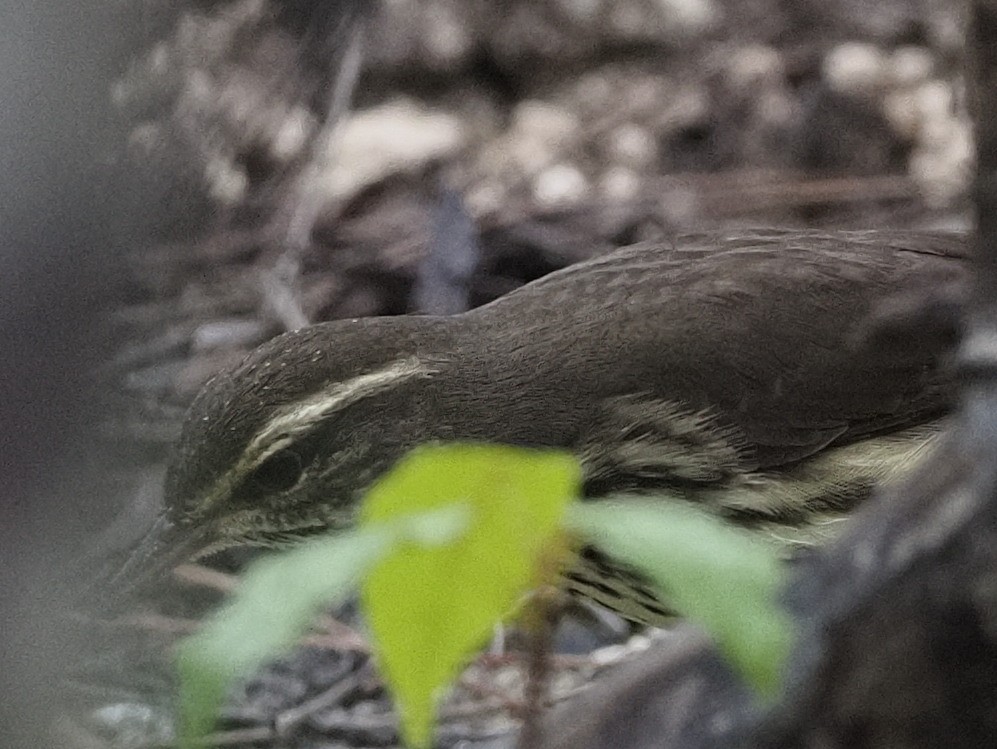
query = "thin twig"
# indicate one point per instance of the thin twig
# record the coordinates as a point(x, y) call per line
point(544, 610)
point(288, 720)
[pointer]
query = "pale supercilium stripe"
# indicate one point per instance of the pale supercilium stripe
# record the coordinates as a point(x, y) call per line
point(298, 418)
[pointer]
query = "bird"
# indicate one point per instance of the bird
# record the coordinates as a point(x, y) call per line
point(719, 368)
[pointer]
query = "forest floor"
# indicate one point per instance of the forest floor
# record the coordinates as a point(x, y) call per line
point(523, 136)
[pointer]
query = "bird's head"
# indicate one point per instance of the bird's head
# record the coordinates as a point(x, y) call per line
point(283, 445)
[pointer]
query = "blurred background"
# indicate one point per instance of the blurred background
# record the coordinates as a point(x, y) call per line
point(184, 180)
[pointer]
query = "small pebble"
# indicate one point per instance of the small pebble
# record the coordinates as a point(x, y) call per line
point(754, 64)
point(911, 65)
point(619, 184)
point(560, 186)
point(855, 69)
point(632, 145)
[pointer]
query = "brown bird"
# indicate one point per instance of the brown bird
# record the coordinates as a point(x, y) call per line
point(720, 368)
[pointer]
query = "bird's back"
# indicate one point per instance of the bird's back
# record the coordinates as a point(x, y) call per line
point(727, 372)
point(757, 326)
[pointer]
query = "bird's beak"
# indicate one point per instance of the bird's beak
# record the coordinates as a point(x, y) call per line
point(164, 546)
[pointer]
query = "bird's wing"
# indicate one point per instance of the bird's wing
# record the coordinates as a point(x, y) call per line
point(757, 327)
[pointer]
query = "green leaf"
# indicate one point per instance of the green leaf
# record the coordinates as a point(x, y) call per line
point(431, 605)
point(709, 570)
point(276, 601)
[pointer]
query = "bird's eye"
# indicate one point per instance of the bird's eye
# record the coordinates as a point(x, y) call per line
point(279, 472)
